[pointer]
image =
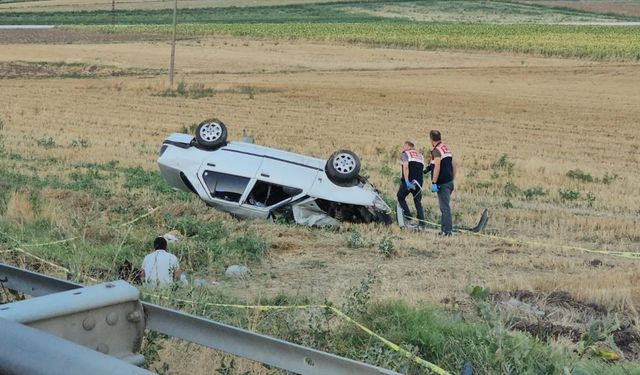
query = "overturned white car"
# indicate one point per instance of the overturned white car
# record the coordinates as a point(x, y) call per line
point(251, 181)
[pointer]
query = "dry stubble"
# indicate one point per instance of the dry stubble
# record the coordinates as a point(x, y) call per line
point(547, 115)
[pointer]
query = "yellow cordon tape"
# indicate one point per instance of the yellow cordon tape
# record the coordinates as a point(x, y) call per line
point(51, 243)
point(61, 268)
point(140, 217)
point(622, 254)
point(426, 364)
point(393, 346)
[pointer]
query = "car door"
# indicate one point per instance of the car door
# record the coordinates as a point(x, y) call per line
point(264, 197)
point(287, 173)
point(278, 182)
point(226, 176)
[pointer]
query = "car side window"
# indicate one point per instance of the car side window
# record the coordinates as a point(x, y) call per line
point(265, 194)
point(225, 186)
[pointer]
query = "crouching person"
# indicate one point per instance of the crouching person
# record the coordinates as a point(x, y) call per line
point(161, 268)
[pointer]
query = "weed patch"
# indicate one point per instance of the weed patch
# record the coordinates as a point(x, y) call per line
point(510, 189)
point(580, 175)
point(568, 194)
point(138, 178)
point(198, 91)
point(194, 91)
point(609, 178)
point(386, 247)
point(247, 248)
point(533, 192)
point(46, 143)
point(80, 143)
point(59, 69)
point(354, 239)
point(503, 164)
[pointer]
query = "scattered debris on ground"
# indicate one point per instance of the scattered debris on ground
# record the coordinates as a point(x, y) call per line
point(559, 315)
point(237, 272)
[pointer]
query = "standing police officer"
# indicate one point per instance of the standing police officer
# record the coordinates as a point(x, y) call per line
point(443, 172)
point(411, 183)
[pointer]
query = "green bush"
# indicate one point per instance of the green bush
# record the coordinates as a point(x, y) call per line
point(354, 240)
point(578, 174)
point(46, 143)
point(80, 143)
point(510, 189)
point(568, 194)
point(358, 297)
point(503, 163)
point(609, 178)
point(386, 247)
point(534, 192)
point(195, 91)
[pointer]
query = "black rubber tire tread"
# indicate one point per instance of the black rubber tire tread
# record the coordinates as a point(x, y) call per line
point(341, 178)
point(211, 145)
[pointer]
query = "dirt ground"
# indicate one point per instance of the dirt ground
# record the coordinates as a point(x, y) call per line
point(620, 7)
point(66, 36)
point(547, 115)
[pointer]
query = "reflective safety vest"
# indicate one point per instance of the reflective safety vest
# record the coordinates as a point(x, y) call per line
point(416, 165)
point(446, 162)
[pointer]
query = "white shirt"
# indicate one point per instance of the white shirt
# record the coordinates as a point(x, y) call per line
point(159, 268)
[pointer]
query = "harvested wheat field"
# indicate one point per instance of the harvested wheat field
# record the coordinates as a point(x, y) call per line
point(550, 146)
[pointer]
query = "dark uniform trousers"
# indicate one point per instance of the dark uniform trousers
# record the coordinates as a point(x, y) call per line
point(403, 191)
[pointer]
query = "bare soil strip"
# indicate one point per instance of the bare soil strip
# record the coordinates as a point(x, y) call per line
point(68, 36)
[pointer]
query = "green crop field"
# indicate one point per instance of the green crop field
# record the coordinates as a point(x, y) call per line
point(594, 42)
point(393, 24)
point(279, 14)
point(355, 11)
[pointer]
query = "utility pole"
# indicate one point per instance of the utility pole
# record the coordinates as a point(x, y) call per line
point(113, 12)
point(173, 46)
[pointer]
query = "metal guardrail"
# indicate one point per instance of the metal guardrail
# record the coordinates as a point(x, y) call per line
point(233, 340)
point(26, 350)
point(106, 317)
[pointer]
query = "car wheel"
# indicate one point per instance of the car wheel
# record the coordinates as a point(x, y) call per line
point(385, 218)
point(211, 134)
point(343, 166)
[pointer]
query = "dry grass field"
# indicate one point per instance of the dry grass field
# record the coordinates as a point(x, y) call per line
point(548, 116)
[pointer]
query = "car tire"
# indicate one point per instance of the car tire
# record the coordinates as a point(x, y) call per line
point(343, 166)
point(211, 134)
point(384, 218)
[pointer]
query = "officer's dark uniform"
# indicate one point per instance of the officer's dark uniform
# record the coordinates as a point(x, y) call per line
point(445, 184)
point(416, 166)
